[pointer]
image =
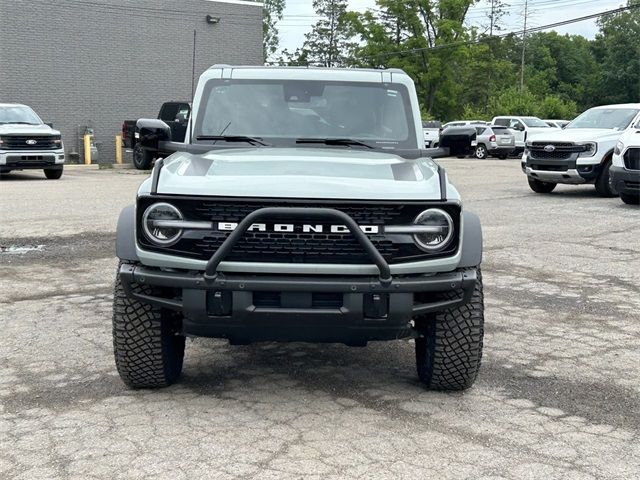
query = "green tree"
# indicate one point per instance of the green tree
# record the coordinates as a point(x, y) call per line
point(617, 49)
point(432, 32)
point(271, 14)
point(330, 42)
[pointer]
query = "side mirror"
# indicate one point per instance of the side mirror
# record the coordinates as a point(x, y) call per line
point(151, 131)
point(458, 140)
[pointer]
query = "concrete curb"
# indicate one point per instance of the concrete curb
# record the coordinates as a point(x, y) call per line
point(98, 166)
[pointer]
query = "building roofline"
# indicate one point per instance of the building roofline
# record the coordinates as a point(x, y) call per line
point(239, 2)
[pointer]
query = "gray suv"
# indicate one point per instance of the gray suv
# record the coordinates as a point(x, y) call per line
point(494, 141)
point(300, 208)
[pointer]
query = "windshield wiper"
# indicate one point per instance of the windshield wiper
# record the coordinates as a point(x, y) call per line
point(233, 138)
point(347, 142)
point(19, 123)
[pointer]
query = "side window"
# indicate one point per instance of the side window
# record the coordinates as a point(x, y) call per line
point(502, 121)
point(516, 124)
point(168, 112)
point(184, 110)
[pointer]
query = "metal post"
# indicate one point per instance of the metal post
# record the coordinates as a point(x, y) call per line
point(87, 149)
point(119, 149)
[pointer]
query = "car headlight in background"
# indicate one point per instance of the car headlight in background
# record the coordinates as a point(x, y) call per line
point(159, 224)
point(619, 148)
point(590, 149)
point(438, 230)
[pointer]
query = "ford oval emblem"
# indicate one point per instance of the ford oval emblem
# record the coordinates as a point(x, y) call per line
point(31, 142)
point(550, 148)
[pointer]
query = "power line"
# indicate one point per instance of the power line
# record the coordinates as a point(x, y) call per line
point(504, 35)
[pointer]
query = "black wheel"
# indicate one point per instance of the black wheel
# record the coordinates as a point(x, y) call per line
point(147, 349)
point(481, 152)
point(53, 173)
point(142, 159)
point(503, 157)
point(604, 182)
point(630, 199)
point(449, 350)
point(541, 187)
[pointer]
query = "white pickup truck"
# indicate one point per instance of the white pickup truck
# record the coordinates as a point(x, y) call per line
point(580, 153)
point(27, 143)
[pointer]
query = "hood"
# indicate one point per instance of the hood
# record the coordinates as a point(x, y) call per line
point(20, 129)
point(577, 135)
point(314, 173)
point(631, 137)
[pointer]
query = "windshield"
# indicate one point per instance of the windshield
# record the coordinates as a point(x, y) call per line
point(283, 111)
point(19, 114)
point(534, 122)
point(611, 118)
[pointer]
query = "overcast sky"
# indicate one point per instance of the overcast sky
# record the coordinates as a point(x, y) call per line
point(299, 16)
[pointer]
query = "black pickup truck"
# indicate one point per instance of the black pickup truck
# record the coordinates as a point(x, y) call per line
point(174, 114)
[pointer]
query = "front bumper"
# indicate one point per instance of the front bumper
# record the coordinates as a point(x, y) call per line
point(31, 159)
point(247, 308)
point(568, 170)
point(625, 181)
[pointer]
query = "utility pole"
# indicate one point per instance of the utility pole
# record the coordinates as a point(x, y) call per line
point(524, 43)
point(493, 17)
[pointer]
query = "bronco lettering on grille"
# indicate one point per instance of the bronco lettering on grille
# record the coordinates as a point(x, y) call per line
point(291, 228)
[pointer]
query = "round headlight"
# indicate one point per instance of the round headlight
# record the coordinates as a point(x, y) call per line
point(152, 224)
point(440, 233)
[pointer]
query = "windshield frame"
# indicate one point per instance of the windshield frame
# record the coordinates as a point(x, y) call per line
point(410, 143)
point(24, 108)
point(619, 129)
point(542, 124)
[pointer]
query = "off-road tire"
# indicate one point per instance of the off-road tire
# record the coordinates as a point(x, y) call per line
point(541, 187)
point(630, 199)
point(142, 159)
point(481, 152)
point(147, 349)
point(604, 183)
point(53, 173)
point(449, 350)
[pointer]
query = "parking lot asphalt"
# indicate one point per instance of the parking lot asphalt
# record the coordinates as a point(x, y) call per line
point(558, 395)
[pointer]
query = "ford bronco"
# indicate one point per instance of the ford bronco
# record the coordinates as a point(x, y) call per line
point(300, 207)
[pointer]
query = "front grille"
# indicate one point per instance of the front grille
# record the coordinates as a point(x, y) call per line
point(30, 160)
point(563, 151)
point(298, 247)
point(19, 142)
point(632, 159)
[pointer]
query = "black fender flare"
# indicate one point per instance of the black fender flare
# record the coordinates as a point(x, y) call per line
point(126, 235)
point(471, 241)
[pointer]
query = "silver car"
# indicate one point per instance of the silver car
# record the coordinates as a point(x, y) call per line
point(494, 141)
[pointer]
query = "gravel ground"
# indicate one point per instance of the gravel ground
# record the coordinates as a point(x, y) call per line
point(558, 395)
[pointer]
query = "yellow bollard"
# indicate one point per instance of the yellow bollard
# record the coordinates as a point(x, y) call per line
point(87, 149)
point(119, 149)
